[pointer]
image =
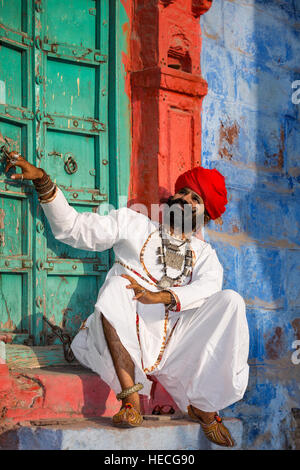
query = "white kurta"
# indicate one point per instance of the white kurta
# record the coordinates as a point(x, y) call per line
point(205, 360)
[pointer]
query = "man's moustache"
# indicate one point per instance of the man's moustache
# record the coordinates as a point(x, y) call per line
point(180, 202)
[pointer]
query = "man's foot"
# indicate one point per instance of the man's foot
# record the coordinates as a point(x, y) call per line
point(127, 417)
point(212, 425)
point(134, 399)
point(206, 416)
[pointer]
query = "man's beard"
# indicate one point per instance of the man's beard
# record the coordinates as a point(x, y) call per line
point(181, 217)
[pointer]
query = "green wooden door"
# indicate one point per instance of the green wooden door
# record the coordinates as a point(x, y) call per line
point(53, 109)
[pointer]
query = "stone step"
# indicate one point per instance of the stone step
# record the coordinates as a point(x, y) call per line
point(62, 392)
point(100, 434)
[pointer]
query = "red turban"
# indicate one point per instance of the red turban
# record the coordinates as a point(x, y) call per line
point(209, 184)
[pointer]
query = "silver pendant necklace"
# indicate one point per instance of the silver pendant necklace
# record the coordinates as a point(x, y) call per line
point(169, 255)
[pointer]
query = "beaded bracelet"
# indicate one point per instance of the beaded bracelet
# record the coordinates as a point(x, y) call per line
point(175, 305)
point(45, 201)
point(46, 185)
point(39, 182)
point(173, 302)
point(49, 191)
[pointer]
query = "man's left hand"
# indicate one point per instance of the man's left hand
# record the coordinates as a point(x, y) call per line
point(146, 296)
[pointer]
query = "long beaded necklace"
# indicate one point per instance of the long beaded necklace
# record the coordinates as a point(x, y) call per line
point(169, 255)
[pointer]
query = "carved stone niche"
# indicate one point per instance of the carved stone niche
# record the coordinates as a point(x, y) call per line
point(179, 60)
point(166, 2)
point(178, 53)
point(199, 7)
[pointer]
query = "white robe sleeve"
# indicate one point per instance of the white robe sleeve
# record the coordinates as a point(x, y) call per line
point(87, 230)
point(207, 279)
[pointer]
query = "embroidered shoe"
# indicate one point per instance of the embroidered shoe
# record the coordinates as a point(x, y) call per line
point(215, 432)
point(127, 417)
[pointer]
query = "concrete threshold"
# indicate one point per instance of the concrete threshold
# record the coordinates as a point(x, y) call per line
point(99, 434)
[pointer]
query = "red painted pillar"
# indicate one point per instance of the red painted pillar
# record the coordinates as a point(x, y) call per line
point(167, 90)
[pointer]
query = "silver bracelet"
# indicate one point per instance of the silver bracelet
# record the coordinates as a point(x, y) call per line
point(173, 302)
point(46, 201)
point(47, 192)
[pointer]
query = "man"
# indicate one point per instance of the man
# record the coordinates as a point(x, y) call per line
point(161, 310)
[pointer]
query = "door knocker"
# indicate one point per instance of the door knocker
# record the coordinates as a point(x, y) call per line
point(70, 164)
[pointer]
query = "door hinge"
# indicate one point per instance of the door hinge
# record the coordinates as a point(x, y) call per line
point(44, 265)
point(27, 263)
point(98, 267)
point(28, 114)
point(26, 40)
point(100, 57)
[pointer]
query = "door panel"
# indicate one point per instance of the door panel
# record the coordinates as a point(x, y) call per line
point(70, 89)
point(53, 109)
point(68, 302)
point(12, 75)
point(81, 148)
point(79, 22)
point(11, 304)
point(16, 200)
point(72, 59)
point(14, 220)
point(12, 14)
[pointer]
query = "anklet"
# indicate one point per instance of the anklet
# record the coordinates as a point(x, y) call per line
point(129, 391)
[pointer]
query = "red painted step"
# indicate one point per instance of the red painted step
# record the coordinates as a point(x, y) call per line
point(62, 392)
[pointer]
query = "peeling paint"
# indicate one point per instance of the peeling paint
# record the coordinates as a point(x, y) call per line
point(2, 216)
point(242, 238)
point(228, 134)
point(274, 345)
point(296, 326)
point(272, 305)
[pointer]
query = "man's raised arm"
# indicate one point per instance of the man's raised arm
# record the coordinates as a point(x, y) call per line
point(87, 230)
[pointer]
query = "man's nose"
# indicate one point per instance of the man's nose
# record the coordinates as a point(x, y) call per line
point(188, 198)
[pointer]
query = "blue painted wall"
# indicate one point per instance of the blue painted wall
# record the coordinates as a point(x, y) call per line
point(251, 134)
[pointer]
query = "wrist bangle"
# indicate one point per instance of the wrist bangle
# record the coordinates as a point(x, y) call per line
point(47, 192)
point(43, 185)
point(42, 180)
point(173, 302)
point(45, 201)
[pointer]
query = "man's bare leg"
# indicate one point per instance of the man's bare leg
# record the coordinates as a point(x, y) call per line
point(123, 363)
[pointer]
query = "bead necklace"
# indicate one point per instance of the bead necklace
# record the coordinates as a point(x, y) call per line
point(164, 344)
point(169, 256)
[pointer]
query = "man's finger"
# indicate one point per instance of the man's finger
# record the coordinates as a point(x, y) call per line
point(139, 295)
point(8, 167)
point(17, 176)
point(130, 278)
point(16, 159)
point(133, 282)
point(131, 286)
